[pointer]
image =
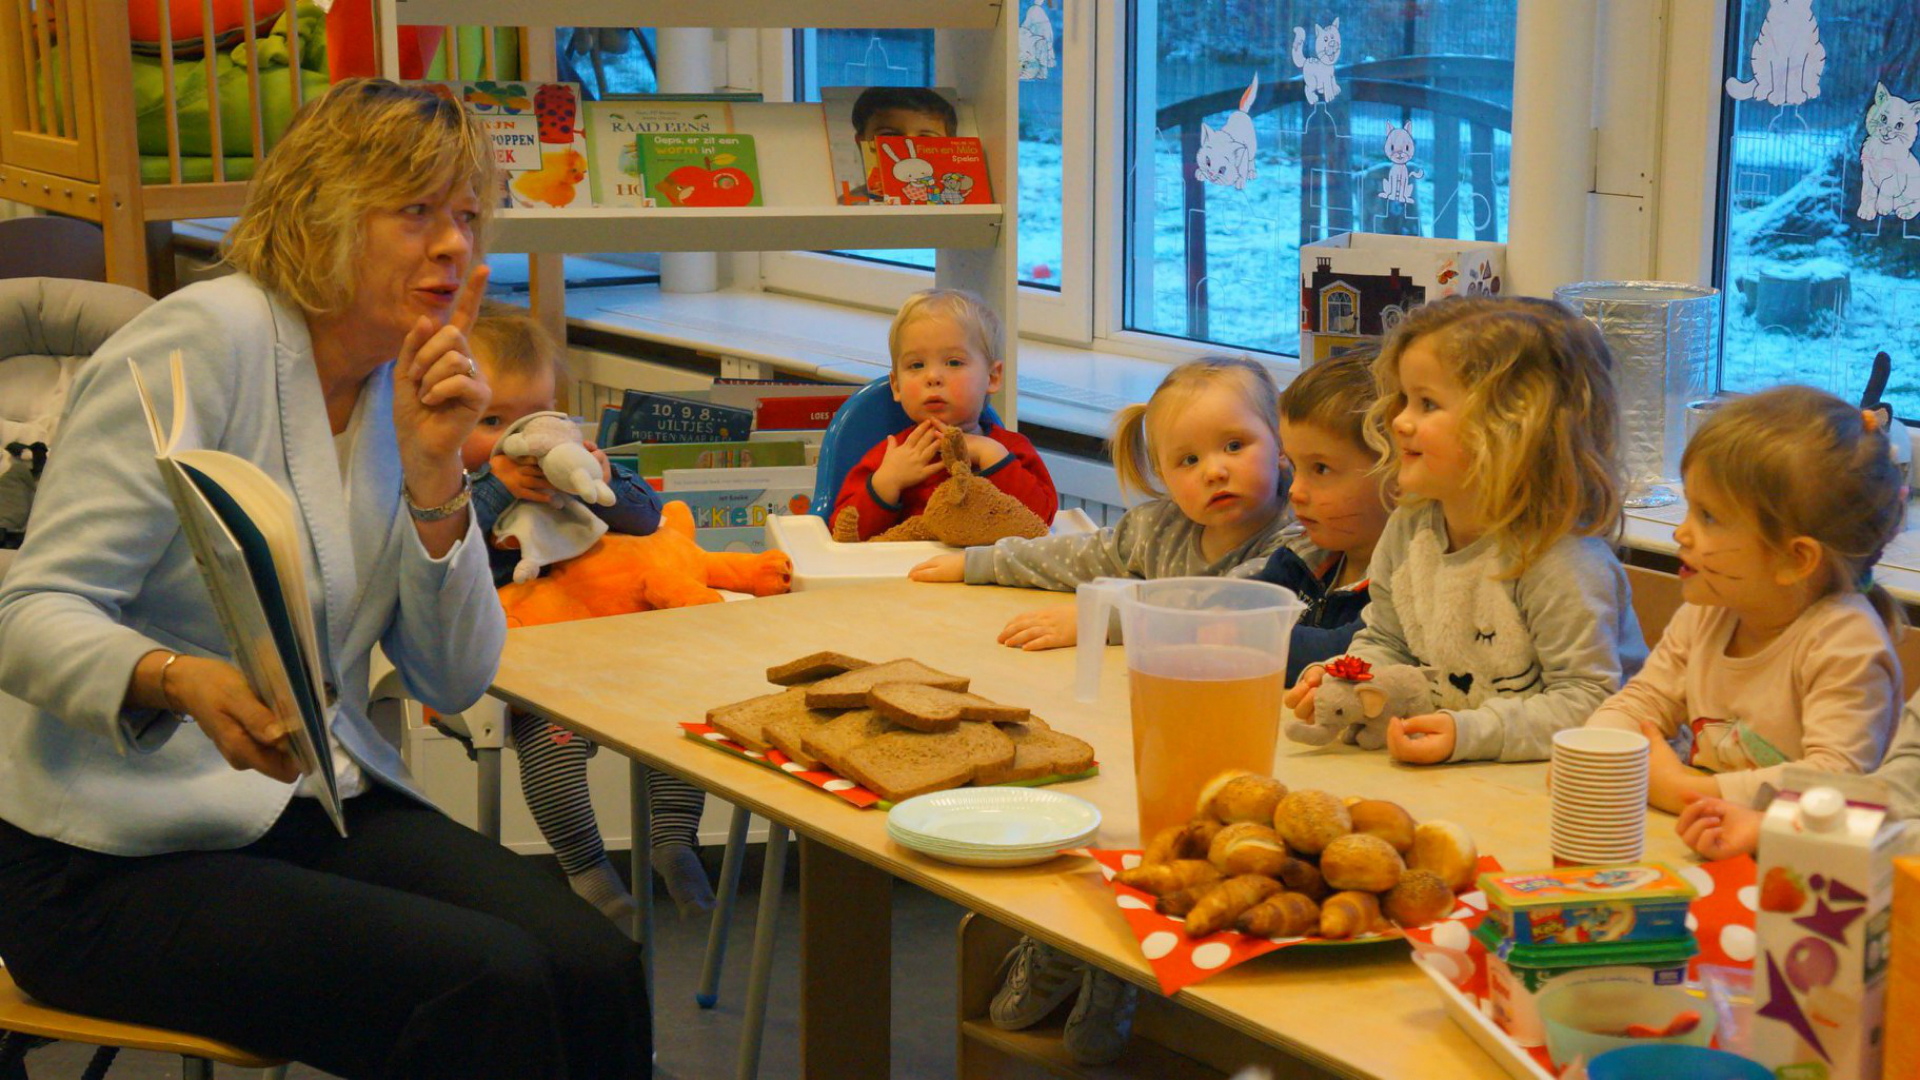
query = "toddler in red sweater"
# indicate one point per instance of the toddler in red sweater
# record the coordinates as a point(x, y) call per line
point(946, 360)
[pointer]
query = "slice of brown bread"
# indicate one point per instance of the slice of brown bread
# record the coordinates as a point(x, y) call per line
point(901, 764)
point(812, 667)
point(788, 734)
point(929, 708)
point(743, 721)
point(828, 743)
point(1039, 751)
point(849, 690)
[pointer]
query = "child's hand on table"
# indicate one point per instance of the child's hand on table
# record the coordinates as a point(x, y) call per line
point(1421, 740)
point(1054, 627)
point(522, 477)
point(908, 462)
point(1669, 781)
point(1719, 829)
point(941, 568)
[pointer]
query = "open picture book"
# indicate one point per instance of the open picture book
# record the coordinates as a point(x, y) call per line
point(244, 535)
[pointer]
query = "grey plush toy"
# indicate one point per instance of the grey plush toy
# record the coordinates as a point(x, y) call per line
point(1356, 702)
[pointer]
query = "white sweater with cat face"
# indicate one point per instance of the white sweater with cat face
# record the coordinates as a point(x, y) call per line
point(1513, 660)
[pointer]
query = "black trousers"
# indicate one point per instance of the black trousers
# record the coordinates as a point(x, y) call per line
point(414, 948)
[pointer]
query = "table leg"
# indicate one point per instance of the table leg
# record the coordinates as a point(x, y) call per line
point(846, 966)
point(641, 807)
point(709, 991)
point(760, 972)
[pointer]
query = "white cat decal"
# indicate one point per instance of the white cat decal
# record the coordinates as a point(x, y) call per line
point(1226, 153)
point(1788, 57)
point(1036, 43)
point(1398, 185)
point(1889, 173)
point(1317, 70)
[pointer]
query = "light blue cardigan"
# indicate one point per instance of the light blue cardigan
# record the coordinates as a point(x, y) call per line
point(106, 576)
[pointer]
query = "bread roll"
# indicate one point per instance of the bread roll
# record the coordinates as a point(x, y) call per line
point(1203, 806)
point(1310, 820)
point(1419, 899)
point(1163, 878)
point(1359, 861)
point(1301, 876)
point(1349, 914)
point(1224, 902)
point(1284, 914)
point(1247, 848)
point(1448, 850)
point(1247, 798)
point(1388, 821)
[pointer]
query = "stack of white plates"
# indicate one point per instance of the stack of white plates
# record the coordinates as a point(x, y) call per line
point(1599, 796)
point(993, 826)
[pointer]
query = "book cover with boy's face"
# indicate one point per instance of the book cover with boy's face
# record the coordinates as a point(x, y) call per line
point(613, 130)
point(882, 110)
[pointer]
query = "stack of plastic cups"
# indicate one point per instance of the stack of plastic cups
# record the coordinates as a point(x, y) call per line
point(1599, 796)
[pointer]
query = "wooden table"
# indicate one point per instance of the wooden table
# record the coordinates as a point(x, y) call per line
point(627, 682)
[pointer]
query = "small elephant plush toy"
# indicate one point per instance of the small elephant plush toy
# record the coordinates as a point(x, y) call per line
point(1356, 703)
point(964, 511)
point(554, 531)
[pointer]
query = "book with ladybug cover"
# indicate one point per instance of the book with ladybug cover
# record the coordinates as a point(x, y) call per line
point(700, 170)
point(539, 139)
point(931, 171)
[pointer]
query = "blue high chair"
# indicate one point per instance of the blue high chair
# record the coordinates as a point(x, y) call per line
point(867, 416)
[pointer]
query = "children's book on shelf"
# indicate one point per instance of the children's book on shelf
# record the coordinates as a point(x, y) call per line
point(742, 507)
point(539, 140)
point(661, 418)
point(932, 171)
point(652, 460)
point(245, 535)
point(731, 506)
point(856, 115)
point(613, 139)
point(749, 393)
point(797, 413)
point(700, 170)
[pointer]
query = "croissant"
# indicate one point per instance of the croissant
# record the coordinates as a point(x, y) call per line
point(1178, 903)
point(1165, 845)
point(1224, 902)
point(1198, 837)
point(1163, 878)
point(1285, 914)
point(1349, 914)
point(1301, 876)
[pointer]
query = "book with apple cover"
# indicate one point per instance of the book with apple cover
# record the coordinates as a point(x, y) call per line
point(700, 170)
point(244, 535)
point(613, 130)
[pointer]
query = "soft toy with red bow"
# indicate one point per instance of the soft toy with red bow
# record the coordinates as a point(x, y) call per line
point(1357, 701)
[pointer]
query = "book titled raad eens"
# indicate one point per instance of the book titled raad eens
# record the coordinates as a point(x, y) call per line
point(613, 131)
point(700, 170)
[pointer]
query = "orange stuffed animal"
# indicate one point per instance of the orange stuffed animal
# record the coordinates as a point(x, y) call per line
point(621, 574)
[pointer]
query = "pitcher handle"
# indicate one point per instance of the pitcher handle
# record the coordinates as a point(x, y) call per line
point(1094, 601)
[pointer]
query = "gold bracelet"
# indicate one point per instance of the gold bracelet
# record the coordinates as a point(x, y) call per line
point(166, 698)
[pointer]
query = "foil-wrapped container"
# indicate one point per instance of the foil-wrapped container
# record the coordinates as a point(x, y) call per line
point(1665, 339)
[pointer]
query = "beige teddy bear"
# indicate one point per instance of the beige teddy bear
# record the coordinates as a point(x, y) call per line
point(964, 511)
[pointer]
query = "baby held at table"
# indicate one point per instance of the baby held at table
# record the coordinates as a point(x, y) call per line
point(1210, 434)
point(945, 345)
point(1783, 651)
point(1495, 573)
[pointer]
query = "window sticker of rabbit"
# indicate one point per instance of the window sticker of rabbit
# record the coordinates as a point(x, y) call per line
point(1788, 57)
point(914, 172)
point(1036, 42)
point(1226, 153)
point(1317, 70)
point(1397, 186)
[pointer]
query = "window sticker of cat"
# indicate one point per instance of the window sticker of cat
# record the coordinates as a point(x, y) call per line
point(915, 174)
point(1889, 173)
point(1226, 152)
point(1036, 43)
point(1317, 70)
point(1788, 57)
point(1397, 187)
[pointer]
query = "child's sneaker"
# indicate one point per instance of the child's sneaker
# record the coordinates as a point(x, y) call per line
point(1102, 1020)
point(1038, 980)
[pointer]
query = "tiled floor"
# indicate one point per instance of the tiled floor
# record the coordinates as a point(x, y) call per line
point(697, 1044)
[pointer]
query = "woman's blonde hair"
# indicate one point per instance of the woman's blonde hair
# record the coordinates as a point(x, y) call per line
point(975, 318)
point(1539, 423)
point(1137, 428)
point(363, 144)
point(1334, 394)
point(1795, 461)
point(513, 343)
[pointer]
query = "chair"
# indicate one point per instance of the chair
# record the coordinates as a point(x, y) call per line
point(867, 416)
point(58, 247)
point(23, 1019)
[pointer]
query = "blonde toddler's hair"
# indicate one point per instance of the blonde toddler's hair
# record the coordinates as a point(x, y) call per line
point(1137, 428)
point(976, 319)
point(516, 344)
point(1539, 423)
point(1795, 461)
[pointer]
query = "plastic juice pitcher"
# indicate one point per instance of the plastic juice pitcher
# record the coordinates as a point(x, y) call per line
point(1207, 664)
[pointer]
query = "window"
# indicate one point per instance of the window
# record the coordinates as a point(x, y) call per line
point(1819, 258)
point(1230, 167)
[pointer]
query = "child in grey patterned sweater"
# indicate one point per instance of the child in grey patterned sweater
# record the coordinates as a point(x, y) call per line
point(1210, 435)
point(1495, 573)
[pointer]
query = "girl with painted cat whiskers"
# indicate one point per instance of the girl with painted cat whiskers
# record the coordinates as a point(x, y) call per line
point(1783, 651)
point(1495, 573)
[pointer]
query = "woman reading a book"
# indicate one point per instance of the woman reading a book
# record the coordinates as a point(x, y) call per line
point(162, 858)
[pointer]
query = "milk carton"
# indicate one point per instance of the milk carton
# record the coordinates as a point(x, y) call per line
point(1826, 882)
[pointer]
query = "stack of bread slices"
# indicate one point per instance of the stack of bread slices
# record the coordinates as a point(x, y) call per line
point(899, 729)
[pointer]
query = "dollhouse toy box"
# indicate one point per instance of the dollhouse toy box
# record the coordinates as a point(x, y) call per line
point(1356, 287)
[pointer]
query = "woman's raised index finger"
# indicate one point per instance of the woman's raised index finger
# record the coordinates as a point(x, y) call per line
point(466, 308)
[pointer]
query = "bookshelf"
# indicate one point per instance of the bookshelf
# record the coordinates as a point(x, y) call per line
point(975, 53)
